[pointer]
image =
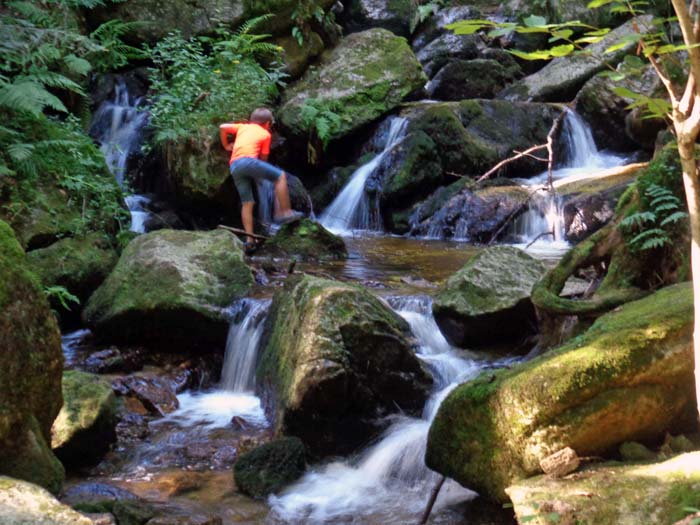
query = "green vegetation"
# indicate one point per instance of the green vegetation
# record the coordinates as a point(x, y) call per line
point(198, 82)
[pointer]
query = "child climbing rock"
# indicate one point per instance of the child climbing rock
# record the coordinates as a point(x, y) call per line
point(248, 165)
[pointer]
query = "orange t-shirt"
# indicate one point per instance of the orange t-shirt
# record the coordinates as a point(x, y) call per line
point(252, 140)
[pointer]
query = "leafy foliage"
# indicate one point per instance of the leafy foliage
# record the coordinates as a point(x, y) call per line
point(61, 295)
point(323, 121)
point(304, 14)
point(198, 82)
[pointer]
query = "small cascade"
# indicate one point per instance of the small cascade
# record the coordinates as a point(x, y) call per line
point(235, 397)
point(545, 213)
point(353, 209)
point(238, 373)
point(118, 126)
point(388, 482)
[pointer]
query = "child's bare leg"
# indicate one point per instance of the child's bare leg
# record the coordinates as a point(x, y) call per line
point(247, 218)
point(284, 206)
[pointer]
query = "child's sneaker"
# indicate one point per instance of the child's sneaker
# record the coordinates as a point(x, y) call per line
point(292, 217)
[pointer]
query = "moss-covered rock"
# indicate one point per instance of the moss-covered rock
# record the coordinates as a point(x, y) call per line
point(488, 300)
point(23, 503)
point(170, 287)
point(84, 428)
point(624, 494)
point(365, 76)
point(629, 377)
point(305, 240)
point(269, 467)
point(30, 379)
point(393, 15)
point(335, 358)
point(463, 79)
point(560, 80)
point(297, 57)
point(79, 264)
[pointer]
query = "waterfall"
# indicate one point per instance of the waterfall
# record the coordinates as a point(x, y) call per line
point(234, 397)
point(545, 213)
point(238, 372)
point(352, 209)
point(118, 126)
point(388, 482)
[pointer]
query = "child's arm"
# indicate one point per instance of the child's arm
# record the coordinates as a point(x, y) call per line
point(224, 131)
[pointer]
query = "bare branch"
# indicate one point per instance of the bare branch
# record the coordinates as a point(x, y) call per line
point(541, 159)
point(685, 104)
point(687, 28)
point(664, 80)
point(509, 160)
point(543, 234)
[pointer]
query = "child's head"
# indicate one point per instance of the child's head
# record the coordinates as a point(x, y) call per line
point(262, 116)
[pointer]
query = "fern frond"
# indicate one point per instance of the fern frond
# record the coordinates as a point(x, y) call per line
point(655, 242)
point(674, 217)
point(33, 13)
point(647, 234)
point(663, 198)
point(638, 219)
point(251, 24)
point(29, 96)
point(77, 65)
point(54, 80)
point(20, 152)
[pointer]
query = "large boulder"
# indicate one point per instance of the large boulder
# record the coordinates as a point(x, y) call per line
point(393, 15)
point(84, 428)
point(560, 80)
point(463, 79)
point(628, 378)
point(170, 287)
point(23, 503)
point(659, 493)
point(269, 467)
point(79, 264)
point(296, 57)
point(435, 26)
point(336, 358)
point(488, 300)
point(367, 75)
point(152, 20)
point(30, 378)
point(445, 49)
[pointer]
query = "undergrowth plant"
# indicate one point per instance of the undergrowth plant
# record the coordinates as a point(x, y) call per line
point(651, 226)
point(200, 82)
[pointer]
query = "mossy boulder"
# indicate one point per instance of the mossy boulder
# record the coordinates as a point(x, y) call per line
point(79, 264)
point(170, 287)
point(560, 80)
point(335, 358)
point(85, 426)
point(305, 240)
point(463, 79)
point(367, 75)
point(23, 503)
point(488, 300)
point(297, 57)
point(30, 380)
point(270, 467)
point(393, 15)
point(625, 494)
point(628, 378)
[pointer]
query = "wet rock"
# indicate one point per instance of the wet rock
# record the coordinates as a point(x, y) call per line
point(365, 76)
point(445, 49)
point(392, 15)
point(104, 518)
point(96, 497)
point(434, 26)
point(335, 359)
point(30, 377)
point(462, 79)
point(132, 427)
point(270, 467)
point(111, 360)
point(462, 212)
point(169, 289)
point(575, 396)
point(79, 264)
point(560, 80)
point(647, 493)
point(85, 426)
point(304, 240)
point(133, 512)
point(488, 300)
point(170, 518)
point(155, 393)
point(23, 503)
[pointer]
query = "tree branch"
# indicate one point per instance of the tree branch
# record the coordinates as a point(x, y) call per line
point(687, 28)
point(509, 160)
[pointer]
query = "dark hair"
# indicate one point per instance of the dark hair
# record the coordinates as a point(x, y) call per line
point(262, 116)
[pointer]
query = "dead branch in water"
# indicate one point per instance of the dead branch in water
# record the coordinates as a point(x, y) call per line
point(431, 501)
point(543, 234)
point(519, 155)
point(243, 232)
point(512, 215)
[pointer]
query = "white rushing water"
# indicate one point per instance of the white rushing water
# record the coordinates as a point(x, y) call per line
point(235, 395)
point(352, 209)
point(387, 483)
point(546, 211)
point(118, 125)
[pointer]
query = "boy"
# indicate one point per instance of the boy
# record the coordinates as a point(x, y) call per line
point(248, 165)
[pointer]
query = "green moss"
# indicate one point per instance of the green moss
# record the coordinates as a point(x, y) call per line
point(305, 240)
point(270, 467)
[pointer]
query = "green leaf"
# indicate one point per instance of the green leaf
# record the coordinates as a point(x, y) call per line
point(626, 93)
point(615, 76)
point(469, 27)
point(562, 51)
point(674, 217)
point(594, 4)
point(534, 55)
point(563, 34)
point(77, 65)
point(535, 21)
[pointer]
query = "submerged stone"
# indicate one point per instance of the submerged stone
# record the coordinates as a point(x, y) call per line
point(30, 377)
point(270, 467)
point(85, 426)
point(335, 359)
point(628, 378)
point(305, 240)
point(488, 300)
point(624, 494)
point(170, 287)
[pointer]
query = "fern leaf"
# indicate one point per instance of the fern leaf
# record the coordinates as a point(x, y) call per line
point(655, 242)
point(30, 97)
point(668, 206)
point(56, 80)
point(647, 234)
point(674, 217)
point(77, 65)
point(663, 198)
point(20, 152)
point(639, 218)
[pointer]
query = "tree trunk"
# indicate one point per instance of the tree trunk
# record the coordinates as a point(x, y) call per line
point(686, 149)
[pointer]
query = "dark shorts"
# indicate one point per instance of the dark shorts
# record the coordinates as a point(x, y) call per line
point(247, 171)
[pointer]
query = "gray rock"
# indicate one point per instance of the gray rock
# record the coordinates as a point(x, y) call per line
point(392, 15)
point(488, 300)
point(446, 48)
point(434, 26)
point(462, 79)
point(270, 467)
